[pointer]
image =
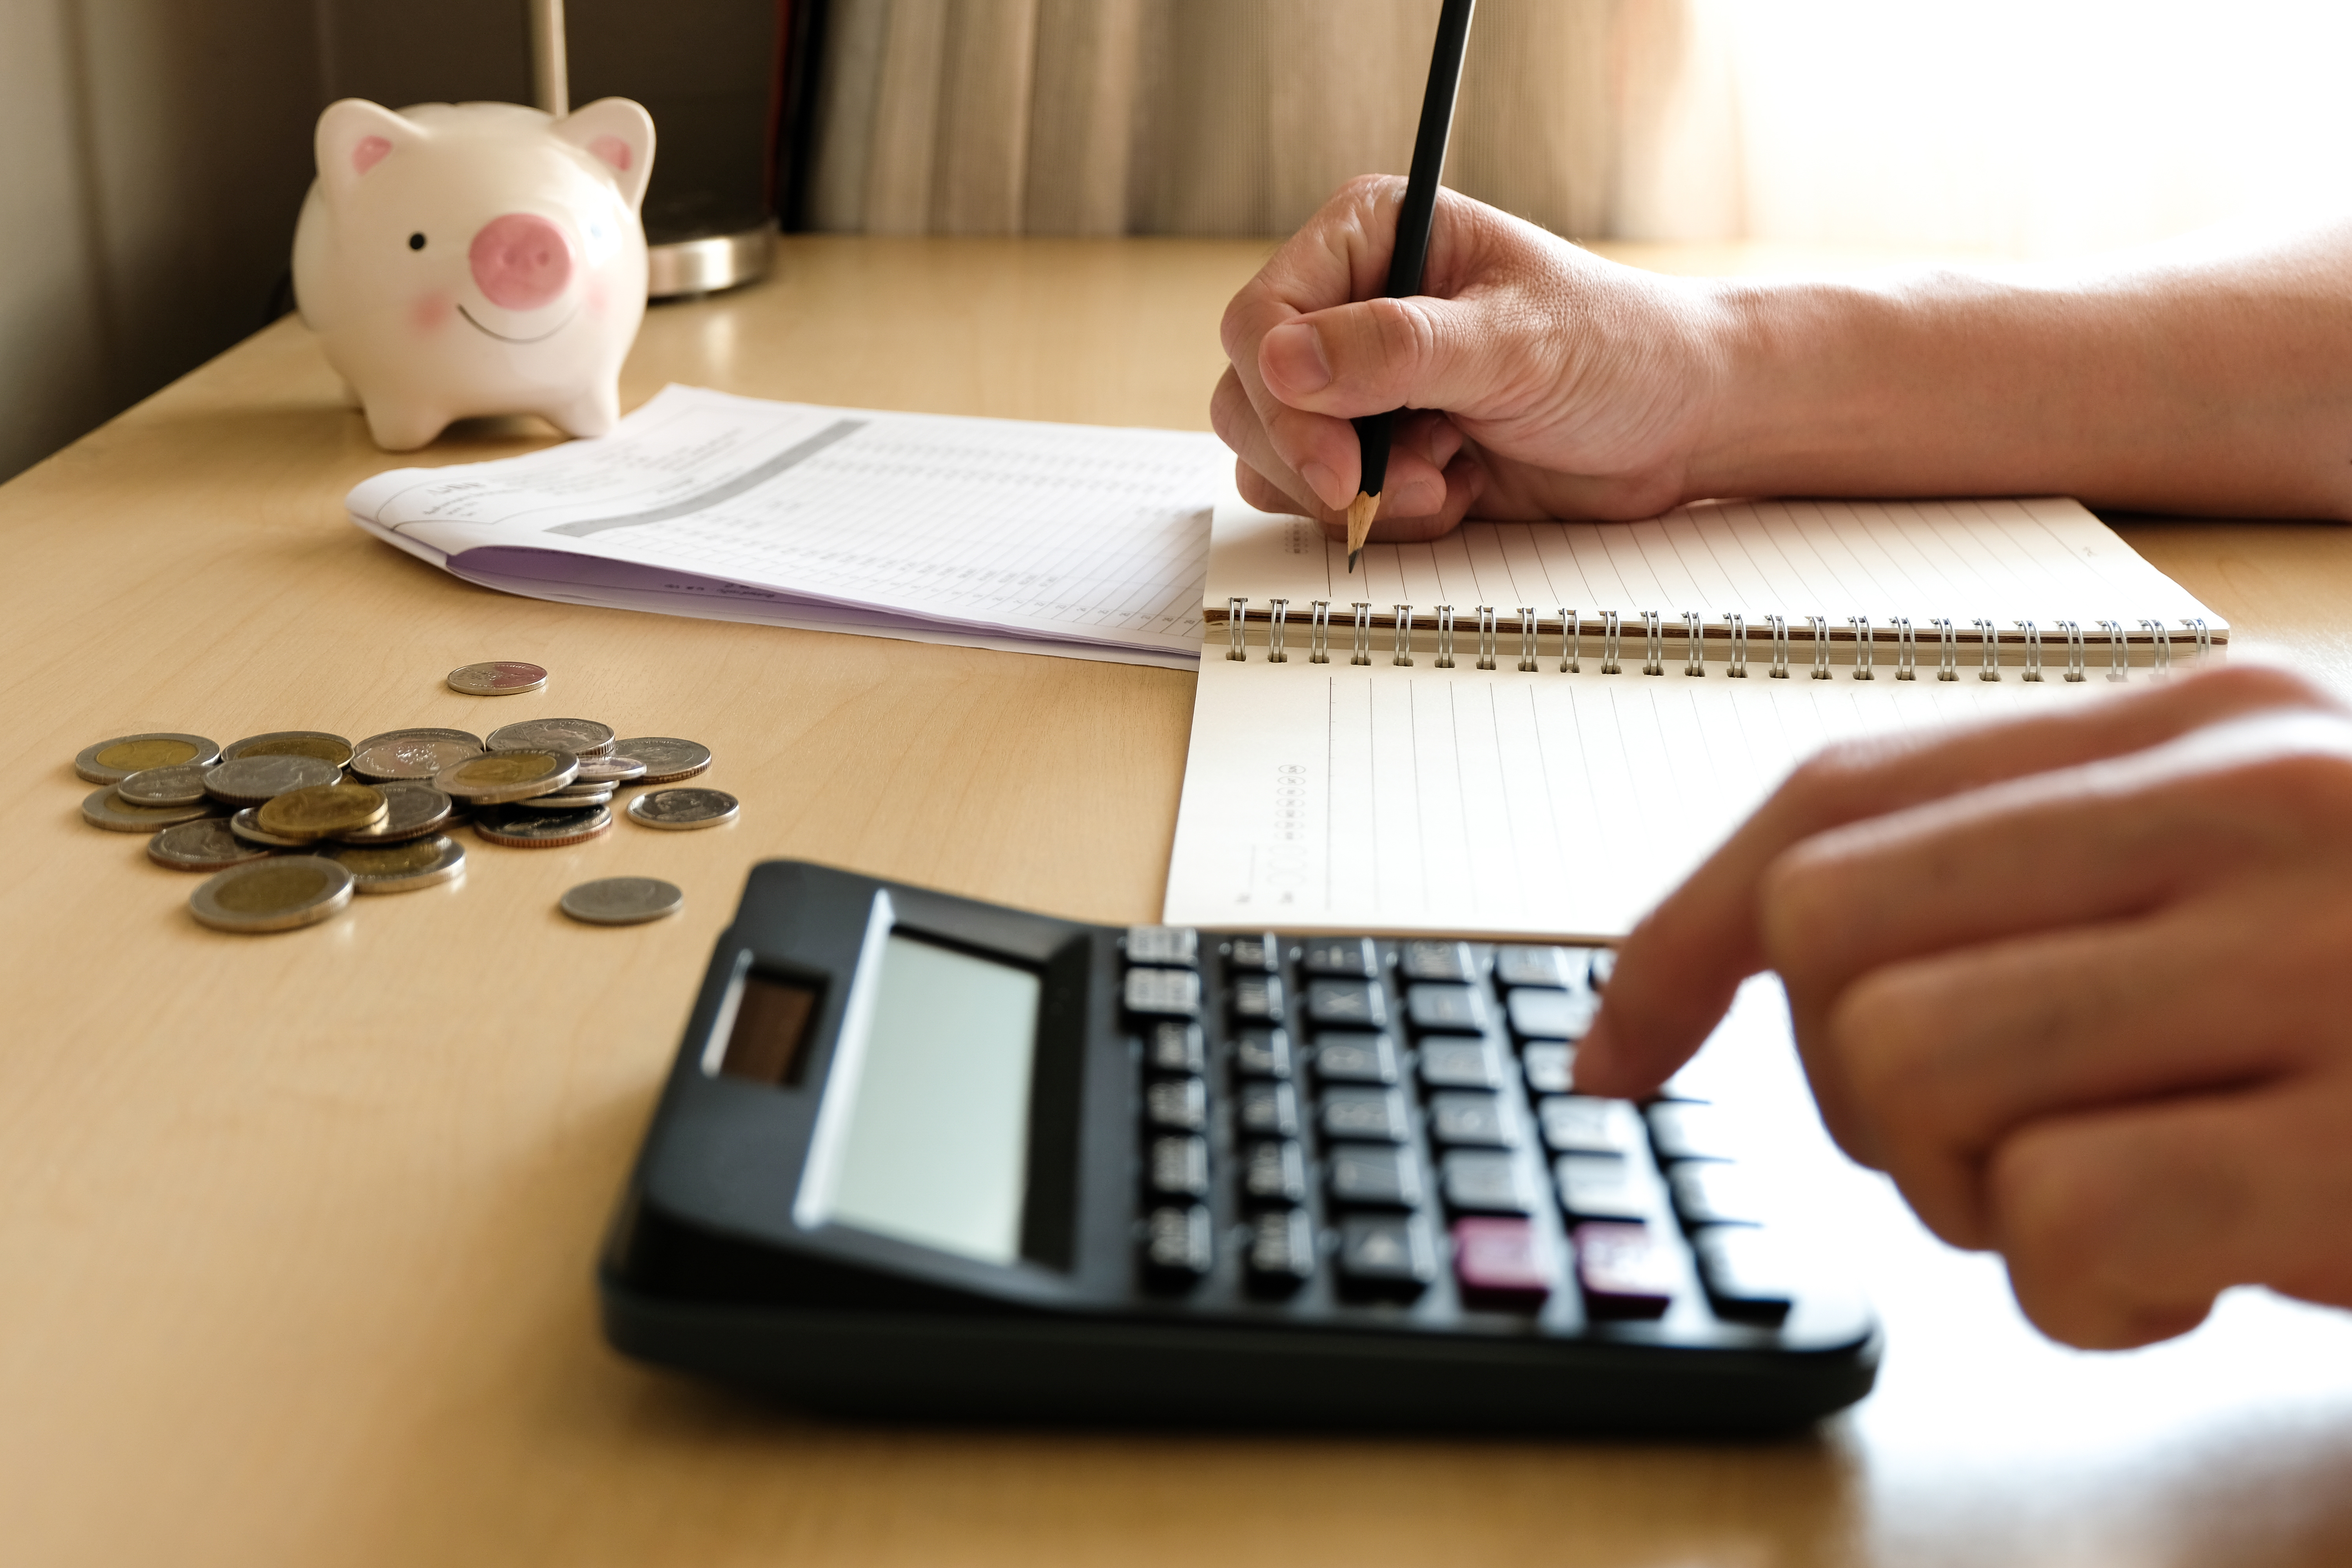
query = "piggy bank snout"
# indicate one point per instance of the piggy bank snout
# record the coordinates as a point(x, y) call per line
point(520, 261)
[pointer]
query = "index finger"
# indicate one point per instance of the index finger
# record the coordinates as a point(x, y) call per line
point(1676, 971)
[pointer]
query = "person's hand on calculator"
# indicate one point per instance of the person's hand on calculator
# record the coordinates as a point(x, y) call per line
point(2080, 985)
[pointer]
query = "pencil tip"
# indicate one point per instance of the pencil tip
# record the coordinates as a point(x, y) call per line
point(1351, 561)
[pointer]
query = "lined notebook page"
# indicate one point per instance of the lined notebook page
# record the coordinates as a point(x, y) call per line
point(2003, 561)
point(1381, 798)
point(1056, 531)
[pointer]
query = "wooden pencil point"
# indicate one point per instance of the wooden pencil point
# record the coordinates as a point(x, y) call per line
point(1360, 524)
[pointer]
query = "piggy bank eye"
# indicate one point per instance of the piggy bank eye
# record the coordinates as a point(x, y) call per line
point(416, 242)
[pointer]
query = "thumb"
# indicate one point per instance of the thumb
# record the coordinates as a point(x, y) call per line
point(1379, 354)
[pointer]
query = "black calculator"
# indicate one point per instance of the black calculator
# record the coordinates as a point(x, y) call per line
point(923, 1156)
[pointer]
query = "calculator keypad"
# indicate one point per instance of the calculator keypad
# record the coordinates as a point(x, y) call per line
point(1382, 1117)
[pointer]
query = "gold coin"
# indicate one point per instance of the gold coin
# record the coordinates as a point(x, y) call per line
point(507, 776)
point(323, 809)
point(276, 894)
point(111, 762)
point(397, 867)
point(291, 743)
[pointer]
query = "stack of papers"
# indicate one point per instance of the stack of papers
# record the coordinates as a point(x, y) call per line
point(1074, 539)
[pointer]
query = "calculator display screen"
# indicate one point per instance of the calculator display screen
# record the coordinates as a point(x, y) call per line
point(937, 1145)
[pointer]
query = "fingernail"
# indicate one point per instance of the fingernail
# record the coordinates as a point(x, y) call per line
point(1292, 358)
point(1421, 498)
point(1326, 486)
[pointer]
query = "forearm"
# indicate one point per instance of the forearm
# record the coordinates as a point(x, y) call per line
point(2191, 379)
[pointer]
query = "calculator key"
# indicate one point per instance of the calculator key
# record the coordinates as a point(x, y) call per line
point(1501, 1262)
point(1482, 1181)
point(1176, 1242)
point(1353, 956)
point(1388, 1256)
point(1375, 1175)
point(1436, 961)
point(1353, 1055)
point(1464, 1116)
point(1709, 1191)
point(1460, 1064)
point(1256, 996)
point(1179, 1167)
point(1371, 1113)
point(1281, 1249)
point(1172, 1047)
point(1269, 1109)
point(1274, 1173)
point(1550, 1015)
point(1583, 1124)
point(1746, 1273)
point(1557, 966)
point(1166, 993)
point(1347, 1003)
point(1451, 1009)
point(1627, 1270)
point(1602, 1187)
point(1181, 1103)
point(1692, 1130)
point(1262, 1053)
point(1258, 952)
point(1550, 1065)
point(1602, 965)
point(1175, 945)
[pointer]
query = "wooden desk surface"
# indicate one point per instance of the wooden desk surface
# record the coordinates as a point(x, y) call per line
point(296, 1232)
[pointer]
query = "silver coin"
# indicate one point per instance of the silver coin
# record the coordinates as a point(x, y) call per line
point(401, 867)
point(535, 828)
point(276, 894)
point(666, 758)
point(316, 743)
point(246, 825)
point(622, 900)
point(420, 732)
point(410, 757)
point(497, 776)
point(572, 798)
point(412, 810)
point(103, 808)
point(254, 781)
point(613, 770)
point(498, 677)
point(204, 845)
point(682, 808)
point(112, 761)
point(183, 784)
point(582, 737)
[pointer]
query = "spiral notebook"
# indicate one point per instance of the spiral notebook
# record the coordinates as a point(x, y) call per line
point(1541, 727)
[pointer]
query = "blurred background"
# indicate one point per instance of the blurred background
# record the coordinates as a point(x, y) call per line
point(157, 150)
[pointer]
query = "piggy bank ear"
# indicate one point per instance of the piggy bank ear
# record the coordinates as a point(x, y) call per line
point(353, 137)
point(619, 134)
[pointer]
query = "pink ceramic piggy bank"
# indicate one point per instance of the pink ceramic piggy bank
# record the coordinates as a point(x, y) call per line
point(469, 259)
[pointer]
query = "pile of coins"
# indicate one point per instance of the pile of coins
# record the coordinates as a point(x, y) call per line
point(293, 822)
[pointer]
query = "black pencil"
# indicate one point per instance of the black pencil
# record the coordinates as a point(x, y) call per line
point(1412, 253)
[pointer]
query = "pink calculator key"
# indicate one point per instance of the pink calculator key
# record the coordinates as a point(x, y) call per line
point(1500, 1261)
point(1627, 1270)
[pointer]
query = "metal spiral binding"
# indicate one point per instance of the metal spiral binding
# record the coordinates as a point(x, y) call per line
point(1653, 643)
point(2160, 654)
point(1694, 643)
point(1318, 633)
point(2118, 650)
point(1486, 636)
point(1237, 611)
point(2032, 649)
point(1609, 630)
point(1989, 644)
point(1820, 625)
point(1528, 638)
point(1865, 647)
point(1907, 649)
point(1363, 653)
point(1571, 642)
point(1445, 636)
point(1780, 670)
point(2074, 630)
point(1275, 632)
point(2204, 636)
point(1948, 649)
point(1736, 657)
point(1403, 635)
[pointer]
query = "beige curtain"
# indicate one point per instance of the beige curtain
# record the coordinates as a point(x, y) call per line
point(1238, 117)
